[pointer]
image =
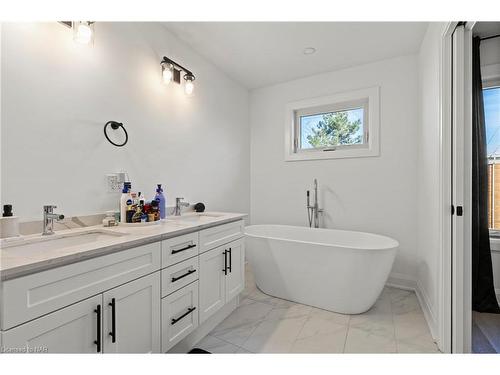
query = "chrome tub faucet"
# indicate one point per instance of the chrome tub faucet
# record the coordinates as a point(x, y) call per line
point(313, 210)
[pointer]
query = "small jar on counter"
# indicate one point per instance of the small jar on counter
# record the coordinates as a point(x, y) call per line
point(110, 219)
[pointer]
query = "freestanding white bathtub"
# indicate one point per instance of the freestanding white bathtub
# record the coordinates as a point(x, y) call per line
point(336, 270)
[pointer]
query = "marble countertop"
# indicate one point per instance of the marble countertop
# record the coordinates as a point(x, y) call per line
point(16, 262)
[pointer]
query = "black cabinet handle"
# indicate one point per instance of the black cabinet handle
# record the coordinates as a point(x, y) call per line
point(183, 249)
point(113, 320)
point(225, 262)
point(189, 311)
point(230, 261)
point(174, 279)
point(98, 341)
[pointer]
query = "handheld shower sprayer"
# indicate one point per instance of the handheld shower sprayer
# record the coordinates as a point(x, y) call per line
point(313, 211)
point(309, 207)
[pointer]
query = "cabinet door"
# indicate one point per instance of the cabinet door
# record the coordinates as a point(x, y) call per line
point(73, 329)
point(212, 282)
point(136, 316)
point(235, 279)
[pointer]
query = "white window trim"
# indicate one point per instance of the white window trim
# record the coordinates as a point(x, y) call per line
point(372, 148)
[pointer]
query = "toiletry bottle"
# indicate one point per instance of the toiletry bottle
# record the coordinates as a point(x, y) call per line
point(123, 202)
point(155, 209)
point(136, 218)
point(162, 201)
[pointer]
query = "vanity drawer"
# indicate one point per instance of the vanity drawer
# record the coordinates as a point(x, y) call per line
point(177, 249)
point(213, 237)
point(31, 296)
point(179, 275)
point(179, 313)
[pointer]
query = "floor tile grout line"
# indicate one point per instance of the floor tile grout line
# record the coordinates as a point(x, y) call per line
point(347, 333)
point(230, 343)
point(300, 330)
point(396, 342)
point(254, 328)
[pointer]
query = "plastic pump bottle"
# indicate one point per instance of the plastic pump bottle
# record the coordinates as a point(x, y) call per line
point(123, 201)
point(161, 200)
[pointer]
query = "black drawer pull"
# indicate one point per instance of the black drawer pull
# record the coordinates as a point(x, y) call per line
point(113, 320)
point(183, 249)
point(230, 267)
point(174, 279)
point(189, 311)
point(98, 341)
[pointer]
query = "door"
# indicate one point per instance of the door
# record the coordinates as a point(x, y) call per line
point(73, 329)
point(212, 282)
point(461, 175)
point(235, 278)
point(131, 319)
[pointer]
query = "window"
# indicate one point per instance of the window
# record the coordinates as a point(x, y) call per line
point(491, 97)
point(339, 126)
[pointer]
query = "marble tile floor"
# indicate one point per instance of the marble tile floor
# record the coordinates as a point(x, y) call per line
point(264, 324)
point(485, 333)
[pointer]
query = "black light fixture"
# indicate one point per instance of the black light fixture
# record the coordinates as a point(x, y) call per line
point(171, 71)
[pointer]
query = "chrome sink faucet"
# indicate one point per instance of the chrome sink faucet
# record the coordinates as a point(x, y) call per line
point(178, 206)
point(48, 219)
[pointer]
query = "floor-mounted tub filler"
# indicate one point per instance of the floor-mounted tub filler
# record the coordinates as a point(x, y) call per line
point(336, 270)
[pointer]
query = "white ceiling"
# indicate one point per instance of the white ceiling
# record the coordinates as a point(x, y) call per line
point(258, 54)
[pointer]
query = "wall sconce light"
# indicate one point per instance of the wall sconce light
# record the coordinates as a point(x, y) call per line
point(83, 31)
point(171, 71)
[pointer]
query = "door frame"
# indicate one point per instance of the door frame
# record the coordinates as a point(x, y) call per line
point(455, 281)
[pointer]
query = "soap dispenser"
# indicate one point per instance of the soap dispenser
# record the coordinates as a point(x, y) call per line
point(161, 200)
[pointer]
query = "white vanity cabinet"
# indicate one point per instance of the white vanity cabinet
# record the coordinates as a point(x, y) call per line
point(73, 329)
point(125, 319)
point(222, 276)
point(235, 278)
point(131, 318)
point(144, 299)
point(179, 315)
point(212, 282)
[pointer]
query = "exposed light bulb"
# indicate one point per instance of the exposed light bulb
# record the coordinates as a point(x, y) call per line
point(189, 87)
point(167, 73)
point(83, 32)
point(189, 84)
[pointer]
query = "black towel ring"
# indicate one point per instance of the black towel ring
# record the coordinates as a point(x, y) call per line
point(115, 125)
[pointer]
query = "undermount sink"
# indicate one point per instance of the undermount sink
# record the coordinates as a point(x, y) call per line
point(58, 241)
point(197, 217)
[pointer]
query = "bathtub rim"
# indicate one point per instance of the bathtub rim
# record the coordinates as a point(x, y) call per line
point(353, 247)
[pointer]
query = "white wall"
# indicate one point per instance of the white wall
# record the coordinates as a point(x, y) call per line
point(56, 97)
point(374, 194)
point(428, 170)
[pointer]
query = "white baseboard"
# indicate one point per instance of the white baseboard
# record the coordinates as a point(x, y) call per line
point(402, 281)
point(429, 315)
